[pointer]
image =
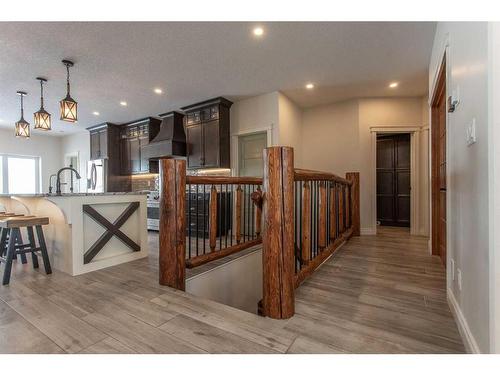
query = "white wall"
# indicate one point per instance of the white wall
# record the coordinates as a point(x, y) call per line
point(48, 148)
point(467, 172)
point(494, 184)
point(290, 127)
point(79, 144)
point(255, 114)
point(337, 138)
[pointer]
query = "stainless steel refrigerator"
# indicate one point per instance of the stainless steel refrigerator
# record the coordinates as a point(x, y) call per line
point(97, 176)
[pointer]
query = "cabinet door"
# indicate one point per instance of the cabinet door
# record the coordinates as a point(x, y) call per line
point(211, 143)
point(125, 167)
point(103, 143)
point(135, 155)
point(194, 143)
point(94, 146)
point(143, 141)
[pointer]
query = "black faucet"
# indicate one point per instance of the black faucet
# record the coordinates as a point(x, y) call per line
point(50, 183)
point(58, 181)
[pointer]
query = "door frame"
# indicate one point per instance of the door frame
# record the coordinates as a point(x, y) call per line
point(414, 132)
point(440, 85)
point(235, 145)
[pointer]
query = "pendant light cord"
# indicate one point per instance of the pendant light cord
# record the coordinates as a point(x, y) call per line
point(67, 78)
point(41, 94)
point(22, 107)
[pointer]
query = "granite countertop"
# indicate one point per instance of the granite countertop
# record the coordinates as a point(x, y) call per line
point(42, 195)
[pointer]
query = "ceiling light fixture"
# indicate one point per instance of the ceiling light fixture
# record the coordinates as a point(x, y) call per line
point(123, 104)
point(95, 113)
point(42, 117)
point(258, 31)
point(158, 91)
point(309, 86)
point(22, 126)
point(393, 85)
point(69, 107)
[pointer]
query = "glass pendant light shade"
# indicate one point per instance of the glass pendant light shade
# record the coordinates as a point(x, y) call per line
point(22, 126)
point(42, 117)
point(69, 107)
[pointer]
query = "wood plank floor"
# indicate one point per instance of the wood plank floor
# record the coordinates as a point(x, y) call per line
point(377, 294)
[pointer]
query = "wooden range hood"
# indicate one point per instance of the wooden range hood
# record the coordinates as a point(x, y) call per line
point(171, 139)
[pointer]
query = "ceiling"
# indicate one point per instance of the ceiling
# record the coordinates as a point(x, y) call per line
point(192, 62)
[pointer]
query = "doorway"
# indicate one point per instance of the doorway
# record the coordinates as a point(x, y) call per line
point(250, 158)
point(438, 166)
point(393, 179)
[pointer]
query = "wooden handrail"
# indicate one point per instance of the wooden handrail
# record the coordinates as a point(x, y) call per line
point(208, 180)
point(310, 175)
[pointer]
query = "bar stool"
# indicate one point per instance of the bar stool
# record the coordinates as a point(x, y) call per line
point(4, 235)
point(11, 243)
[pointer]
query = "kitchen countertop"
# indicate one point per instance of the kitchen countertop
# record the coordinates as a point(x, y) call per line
point(47, 195)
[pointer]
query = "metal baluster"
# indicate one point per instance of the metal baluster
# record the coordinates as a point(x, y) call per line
point(197, 218)
point(189, 221)
point(204, 217)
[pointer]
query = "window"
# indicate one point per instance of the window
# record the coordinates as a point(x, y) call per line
point(19, 174)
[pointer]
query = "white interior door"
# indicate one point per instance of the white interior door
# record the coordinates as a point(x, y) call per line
point(250, 154)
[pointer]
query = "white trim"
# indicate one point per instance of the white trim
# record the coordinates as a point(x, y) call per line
point(465, 332)
point(414, 171)
point(235, 152)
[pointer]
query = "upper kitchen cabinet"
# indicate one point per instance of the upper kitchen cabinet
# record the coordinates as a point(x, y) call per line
point(208, 134)
point(101, 136)
point(133, 137)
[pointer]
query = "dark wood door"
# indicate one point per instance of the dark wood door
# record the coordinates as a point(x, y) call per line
point(393, 179)
point(125, 166)
point(194, 141)
point(143, 141)
point(438, 170)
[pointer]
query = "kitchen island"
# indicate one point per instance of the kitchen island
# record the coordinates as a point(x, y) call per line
point(88, 231)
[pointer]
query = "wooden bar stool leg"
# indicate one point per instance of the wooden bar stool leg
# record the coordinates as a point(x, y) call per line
point(31, 238)
point(11, 250)
point(24, 260)
point(43, 249)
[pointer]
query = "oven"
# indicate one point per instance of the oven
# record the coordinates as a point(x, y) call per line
point(153, 211)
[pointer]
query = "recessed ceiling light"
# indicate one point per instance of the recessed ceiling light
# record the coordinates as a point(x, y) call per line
point(258, 31)
point(309, 86)
point(393, 85)
point(124, 104)
point(95, 113)
point(158, 91)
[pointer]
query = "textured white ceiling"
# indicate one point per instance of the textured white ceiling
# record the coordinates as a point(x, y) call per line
point(196, 61)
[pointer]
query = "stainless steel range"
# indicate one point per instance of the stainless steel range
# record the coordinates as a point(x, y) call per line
point(153, 211)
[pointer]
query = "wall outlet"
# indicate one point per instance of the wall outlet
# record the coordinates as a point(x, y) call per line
point(459, 279)
point(452, 267)
point(471, 133)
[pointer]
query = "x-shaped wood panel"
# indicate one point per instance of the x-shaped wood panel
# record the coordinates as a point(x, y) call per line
point(112, 229)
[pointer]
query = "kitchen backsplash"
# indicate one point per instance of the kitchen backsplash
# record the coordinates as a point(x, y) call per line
point(151, 181)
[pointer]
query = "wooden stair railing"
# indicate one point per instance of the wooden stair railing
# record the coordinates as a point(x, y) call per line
point(300, 216)
point(307, 215)
point(198, 223)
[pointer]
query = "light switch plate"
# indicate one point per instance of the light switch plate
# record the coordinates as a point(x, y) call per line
point(459, 279)
point(452, 266)
point(471, 133)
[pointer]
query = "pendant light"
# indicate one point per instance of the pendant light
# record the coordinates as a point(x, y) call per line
point(68, 105)
point(22, 126)
point(42, 117)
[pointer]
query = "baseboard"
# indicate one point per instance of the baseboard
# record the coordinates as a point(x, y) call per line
point(368, 231)
point(467, 337)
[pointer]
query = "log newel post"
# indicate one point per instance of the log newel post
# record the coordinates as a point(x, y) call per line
point(172, 238)
point(354, 204)
point(278, 233)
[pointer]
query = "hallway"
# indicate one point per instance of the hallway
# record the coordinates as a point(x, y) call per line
point(378, 294)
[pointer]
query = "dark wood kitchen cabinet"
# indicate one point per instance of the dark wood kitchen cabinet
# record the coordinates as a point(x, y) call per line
point(133, 137)
point(99, 142)
point(207, 127)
